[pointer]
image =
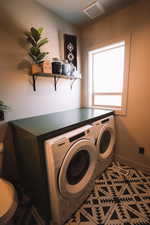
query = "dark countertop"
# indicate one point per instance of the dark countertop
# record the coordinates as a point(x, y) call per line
point(51, 123)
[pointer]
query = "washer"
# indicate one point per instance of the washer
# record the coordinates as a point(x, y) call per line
point(71, 161)
point(105, 130)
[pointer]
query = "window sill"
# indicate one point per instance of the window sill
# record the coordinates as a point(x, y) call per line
point(118, 112)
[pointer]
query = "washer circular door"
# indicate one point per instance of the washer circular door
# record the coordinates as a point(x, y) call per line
point(106, 141)
point(78, 168)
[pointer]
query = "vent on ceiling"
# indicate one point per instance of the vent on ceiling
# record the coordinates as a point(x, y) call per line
point(94, 10)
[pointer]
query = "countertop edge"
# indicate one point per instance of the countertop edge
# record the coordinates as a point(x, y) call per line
point(71, 127)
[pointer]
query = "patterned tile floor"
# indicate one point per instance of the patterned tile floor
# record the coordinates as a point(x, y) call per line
point(117, 199)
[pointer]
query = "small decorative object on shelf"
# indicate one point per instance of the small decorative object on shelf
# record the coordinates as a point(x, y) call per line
point(3, 108)
point(34, 38)
point(47, 66)
point(56, 66)
point(66, 68)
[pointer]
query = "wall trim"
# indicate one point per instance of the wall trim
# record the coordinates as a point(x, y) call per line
point(133, 164)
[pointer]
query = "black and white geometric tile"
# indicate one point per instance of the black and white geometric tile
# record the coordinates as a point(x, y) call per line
point(117, 199)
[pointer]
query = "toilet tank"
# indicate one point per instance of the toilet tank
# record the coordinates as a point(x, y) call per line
point(1, 157)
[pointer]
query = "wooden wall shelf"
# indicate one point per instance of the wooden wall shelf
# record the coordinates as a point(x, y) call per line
point(56, 78)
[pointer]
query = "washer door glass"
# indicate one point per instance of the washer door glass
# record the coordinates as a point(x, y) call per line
point(78, 167)
point(105, 141)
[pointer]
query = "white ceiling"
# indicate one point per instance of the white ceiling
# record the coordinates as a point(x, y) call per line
point(72, 10)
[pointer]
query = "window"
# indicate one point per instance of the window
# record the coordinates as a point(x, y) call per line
point(108, 76)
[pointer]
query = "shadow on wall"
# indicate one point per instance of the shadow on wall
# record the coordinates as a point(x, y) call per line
point(11, 35)
point(25, 66)
point(127, 147)
point(12, 29)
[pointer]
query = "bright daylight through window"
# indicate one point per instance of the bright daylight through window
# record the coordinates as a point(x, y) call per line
point(107, 76)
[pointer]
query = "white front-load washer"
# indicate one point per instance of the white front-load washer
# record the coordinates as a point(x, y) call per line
point(106, 134)
point(71, 160)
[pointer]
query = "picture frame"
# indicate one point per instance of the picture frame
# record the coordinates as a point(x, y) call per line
point(68, 47)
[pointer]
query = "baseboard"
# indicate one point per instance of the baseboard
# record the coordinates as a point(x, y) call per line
point(133, 164)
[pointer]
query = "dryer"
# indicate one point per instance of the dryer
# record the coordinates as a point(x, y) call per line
point(71, 161)
point(105, 129)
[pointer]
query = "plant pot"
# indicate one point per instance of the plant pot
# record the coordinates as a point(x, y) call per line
point(36, 68)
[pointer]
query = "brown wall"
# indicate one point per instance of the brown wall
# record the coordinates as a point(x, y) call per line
point(15, 84)
point(133, 130)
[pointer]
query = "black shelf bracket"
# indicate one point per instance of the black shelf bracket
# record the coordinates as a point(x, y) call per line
point(56, 79)
point(34, 80)
point(56, 82)
point(72, 83)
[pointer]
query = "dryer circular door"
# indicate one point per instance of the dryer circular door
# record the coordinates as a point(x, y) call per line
point(78, 168)
point(106, 141)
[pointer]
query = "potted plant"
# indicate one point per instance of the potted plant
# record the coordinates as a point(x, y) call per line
point(3, 108)
point(34, 38)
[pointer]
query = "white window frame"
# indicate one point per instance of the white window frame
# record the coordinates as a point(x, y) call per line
point(119, 110)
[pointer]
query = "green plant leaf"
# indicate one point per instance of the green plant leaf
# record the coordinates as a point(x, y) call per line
point(30, 39)
point(42, 42)
point(34, 58)
point(40, 30)
point(42, 55)
point(35, 51)
point(35, 34)
point(39, 61)
point(34, 37)
point(27, 33)
point(3, 107)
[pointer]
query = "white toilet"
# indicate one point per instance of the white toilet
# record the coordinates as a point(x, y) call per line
point(8, 197)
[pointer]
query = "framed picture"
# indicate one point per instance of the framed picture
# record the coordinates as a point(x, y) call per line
point(68, 47)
